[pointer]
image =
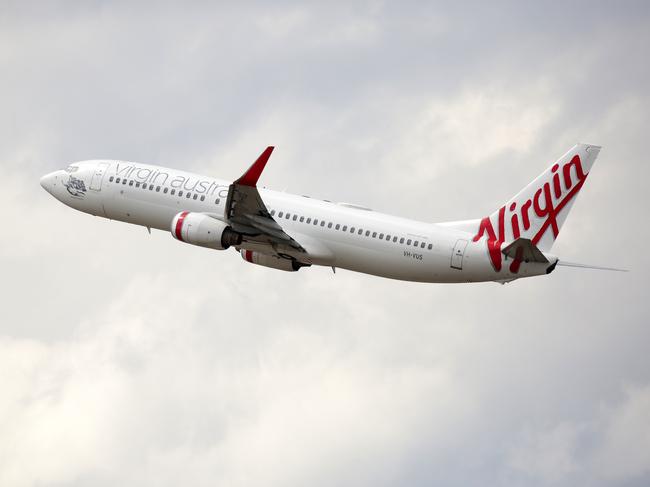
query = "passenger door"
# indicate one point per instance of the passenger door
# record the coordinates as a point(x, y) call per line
point(98, 176)
point(458, 254)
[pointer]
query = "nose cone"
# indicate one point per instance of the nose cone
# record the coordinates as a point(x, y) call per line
point(44, 182)
point(48, 182)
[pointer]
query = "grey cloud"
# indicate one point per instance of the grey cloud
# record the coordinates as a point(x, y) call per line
point(129, 358)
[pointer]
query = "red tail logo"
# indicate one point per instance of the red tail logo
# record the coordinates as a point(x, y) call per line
point(546, 203)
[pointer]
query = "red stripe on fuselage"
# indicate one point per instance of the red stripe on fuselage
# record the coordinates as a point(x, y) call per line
point(179, 225)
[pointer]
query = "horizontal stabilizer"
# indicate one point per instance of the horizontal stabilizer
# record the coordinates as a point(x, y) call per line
point(523, 249)
point(585, 266)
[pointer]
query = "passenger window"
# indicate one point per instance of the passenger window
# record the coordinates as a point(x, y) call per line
point(351, 229)
point(280, 214)
point(367, 233)
point(430, 246)
point(272, 212)
point(422, 245)
point(374, 234)
point(394, 239)
point(202, 197)
point(401, 240)
point(218, 201)
point(123, 181)
point(415, 244)
point(308, 220)
point(287, 216)
point(180, 193)
point(361, 231)
point(157, 189)
point(408, 242)
point(187, 195)
point(329, 225)
point(151, 187)
point(110, 179)
point(137, 184)
point(302, 219)
point(322, 223)
point(337, 226)
point(295, 217)
point(381, 236)
point(345, 228)
point(117, 180)
point(195, 196)
point(165, 189)
point(173, 191)
point(315, 221)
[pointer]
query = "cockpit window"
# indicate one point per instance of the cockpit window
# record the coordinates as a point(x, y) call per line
point(72, 168)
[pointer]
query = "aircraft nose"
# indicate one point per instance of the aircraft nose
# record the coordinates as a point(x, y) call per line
point(48, 181)
point(44, 180)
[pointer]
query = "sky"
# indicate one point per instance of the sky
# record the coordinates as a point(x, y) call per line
point(133, 359)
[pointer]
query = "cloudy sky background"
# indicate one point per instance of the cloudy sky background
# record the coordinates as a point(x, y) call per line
point(129, 359)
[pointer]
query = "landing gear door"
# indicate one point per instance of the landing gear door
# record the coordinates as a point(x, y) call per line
point(458, 254)
point(98, 176)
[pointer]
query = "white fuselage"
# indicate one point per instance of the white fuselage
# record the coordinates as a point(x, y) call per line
point(333, 234)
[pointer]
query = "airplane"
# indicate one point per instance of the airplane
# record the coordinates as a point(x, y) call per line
point(288, 232)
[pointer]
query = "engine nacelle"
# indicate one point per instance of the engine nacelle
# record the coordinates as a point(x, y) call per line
point(203, 230)
point(272, 261)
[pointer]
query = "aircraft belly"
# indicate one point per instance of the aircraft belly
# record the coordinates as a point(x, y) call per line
point(390, 262)
point(139, 212)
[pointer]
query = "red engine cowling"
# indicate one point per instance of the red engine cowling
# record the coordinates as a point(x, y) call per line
point(203, 230)
point(272, 261)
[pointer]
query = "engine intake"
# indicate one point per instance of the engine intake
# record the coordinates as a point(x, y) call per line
point(289, 265)
point(203, 230)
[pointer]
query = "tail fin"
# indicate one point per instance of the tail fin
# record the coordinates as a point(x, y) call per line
point(539, 210)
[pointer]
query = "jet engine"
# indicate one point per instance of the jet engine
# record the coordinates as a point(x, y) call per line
point(272, 261)
point(203, 230)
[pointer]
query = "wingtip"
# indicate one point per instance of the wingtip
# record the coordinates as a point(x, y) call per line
point(254, 172)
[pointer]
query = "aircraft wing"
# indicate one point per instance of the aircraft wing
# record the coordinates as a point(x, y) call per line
point(247, 214)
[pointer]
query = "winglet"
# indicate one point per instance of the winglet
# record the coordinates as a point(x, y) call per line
point(254, 172)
